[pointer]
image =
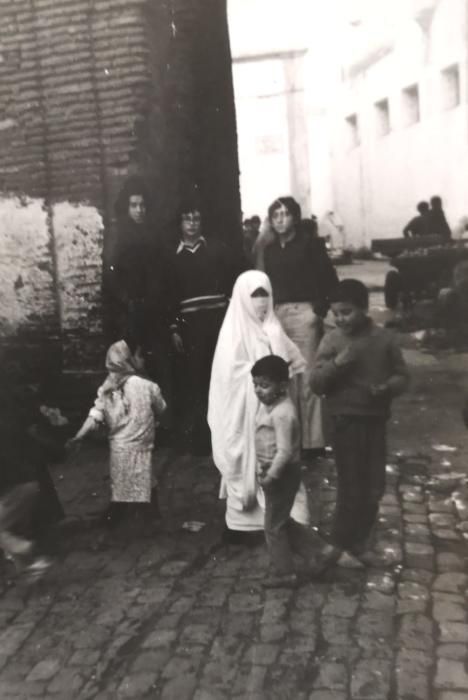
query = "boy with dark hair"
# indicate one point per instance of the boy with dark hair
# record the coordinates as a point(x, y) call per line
point(359, 370)
point(278, 448)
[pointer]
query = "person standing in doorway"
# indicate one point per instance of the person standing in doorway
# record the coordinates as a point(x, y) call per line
point(302, 277)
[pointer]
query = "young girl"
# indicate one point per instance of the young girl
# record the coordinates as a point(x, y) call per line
point(250, 331)
point(128, 404)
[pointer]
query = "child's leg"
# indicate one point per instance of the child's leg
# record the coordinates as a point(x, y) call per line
point(279, 499)
point(350, 448)
point(17, 504)
point(373, 479)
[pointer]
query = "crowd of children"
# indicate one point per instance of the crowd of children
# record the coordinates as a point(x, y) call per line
point(256, 434)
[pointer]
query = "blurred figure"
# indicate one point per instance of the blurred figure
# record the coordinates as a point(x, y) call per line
point(419, 225)
point(249, 236)
point(438, 222)
point(332, 229)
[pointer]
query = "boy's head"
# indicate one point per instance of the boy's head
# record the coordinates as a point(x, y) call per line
point(270, 376)
point(350, 303)
point(423, 207)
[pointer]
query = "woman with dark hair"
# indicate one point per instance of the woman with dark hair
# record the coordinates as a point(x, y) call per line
point(141, 284)
point(302, 277)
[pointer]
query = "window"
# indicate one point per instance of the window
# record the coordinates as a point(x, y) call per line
point(352, 128)
point(382, 117)
point(450, 87)
point(411, 113)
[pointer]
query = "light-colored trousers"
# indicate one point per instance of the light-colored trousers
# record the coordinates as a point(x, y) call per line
point(304, 328)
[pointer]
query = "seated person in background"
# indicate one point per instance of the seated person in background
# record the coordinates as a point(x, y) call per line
point(419, 225)
point(438, 222)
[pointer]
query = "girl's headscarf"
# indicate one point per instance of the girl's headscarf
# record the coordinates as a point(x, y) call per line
point(243, 339)
point(119, 365)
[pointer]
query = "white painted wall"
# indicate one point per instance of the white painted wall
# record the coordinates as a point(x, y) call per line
point(378, 183)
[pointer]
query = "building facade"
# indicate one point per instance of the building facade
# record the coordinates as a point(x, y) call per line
point(398, 126)
point(91, 92)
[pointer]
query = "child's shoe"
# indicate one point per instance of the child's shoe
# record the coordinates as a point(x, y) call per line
point(349, 561)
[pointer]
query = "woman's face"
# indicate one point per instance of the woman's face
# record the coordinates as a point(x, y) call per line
point(137, 208)
point(282, 221)
point(260, 302)
point(191, 225)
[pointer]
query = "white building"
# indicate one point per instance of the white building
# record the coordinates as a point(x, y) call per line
point(356, 106)
point(399, 128)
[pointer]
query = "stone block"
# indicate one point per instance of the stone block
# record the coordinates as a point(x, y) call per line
point(453, 582)
point(453, 632)
point(451, 675)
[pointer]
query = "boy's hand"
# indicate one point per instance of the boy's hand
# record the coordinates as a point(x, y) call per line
point(73, 446)
point(347, 356)
point(265, 480)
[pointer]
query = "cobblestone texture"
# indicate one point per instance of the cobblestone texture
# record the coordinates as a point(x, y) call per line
point(177, 615)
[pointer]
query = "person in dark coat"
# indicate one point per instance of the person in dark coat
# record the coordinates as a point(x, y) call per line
point(302, 277)
point(203, 275)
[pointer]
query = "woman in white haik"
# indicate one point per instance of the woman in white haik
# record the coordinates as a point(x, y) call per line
point(250, 331)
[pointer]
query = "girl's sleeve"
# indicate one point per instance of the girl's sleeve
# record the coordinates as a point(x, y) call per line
point(157, 400)
point(97, 411)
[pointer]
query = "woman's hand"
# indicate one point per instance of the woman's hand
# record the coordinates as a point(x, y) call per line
point(73, 446)
point(178, 343)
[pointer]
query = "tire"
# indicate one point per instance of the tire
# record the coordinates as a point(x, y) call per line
point(392, 289)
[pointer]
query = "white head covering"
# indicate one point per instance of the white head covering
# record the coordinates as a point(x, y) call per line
point(243, 339)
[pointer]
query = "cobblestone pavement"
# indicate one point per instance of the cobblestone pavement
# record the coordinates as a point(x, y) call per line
point(177, 615)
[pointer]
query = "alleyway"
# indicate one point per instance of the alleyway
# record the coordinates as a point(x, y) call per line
point(178, 615)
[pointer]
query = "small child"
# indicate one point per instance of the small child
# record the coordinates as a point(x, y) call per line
point(359, 369)
point(128, 404)
point(278, 448)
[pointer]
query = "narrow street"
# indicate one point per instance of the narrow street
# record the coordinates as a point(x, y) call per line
point(178, 615)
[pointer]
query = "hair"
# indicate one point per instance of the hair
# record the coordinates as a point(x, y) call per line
point(436, 202)
point(255, 219)
point(291, 205)
point(423, 207)
point(272, 367)
point(351, 291)
point(259, 292)
point(134, 185)
point(190, 202)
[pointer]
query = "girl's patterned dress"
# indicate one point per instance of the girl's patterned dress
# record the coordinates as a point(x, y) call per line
point(129, 413)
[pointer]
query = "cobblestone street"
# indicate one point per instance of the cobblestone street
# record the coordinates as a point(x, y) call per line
point(178, 614)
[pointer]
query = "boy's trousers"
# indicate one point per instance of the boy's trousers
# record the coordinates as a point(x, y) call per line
point(359, 444)
point(282, 534)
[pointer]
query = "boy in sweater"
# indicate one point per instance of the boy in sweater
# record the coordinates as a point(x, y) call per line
point(359, 369)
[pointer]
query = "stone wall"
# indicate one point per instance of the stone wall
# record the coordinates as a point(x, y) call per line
point(92, 91)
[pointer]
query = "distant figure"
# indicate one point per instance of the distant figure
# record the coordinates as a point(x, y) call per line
point(419, 225)
point(255, 222)
point(332, 229)
point(439, 225)
point(249, 236)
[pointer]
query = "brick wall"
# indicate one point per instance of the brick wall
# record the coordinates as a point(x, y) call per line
point(92, 91)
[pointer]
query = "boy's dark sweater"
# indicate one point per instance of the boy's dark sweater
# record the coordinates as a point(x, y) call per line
point(348, 388)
